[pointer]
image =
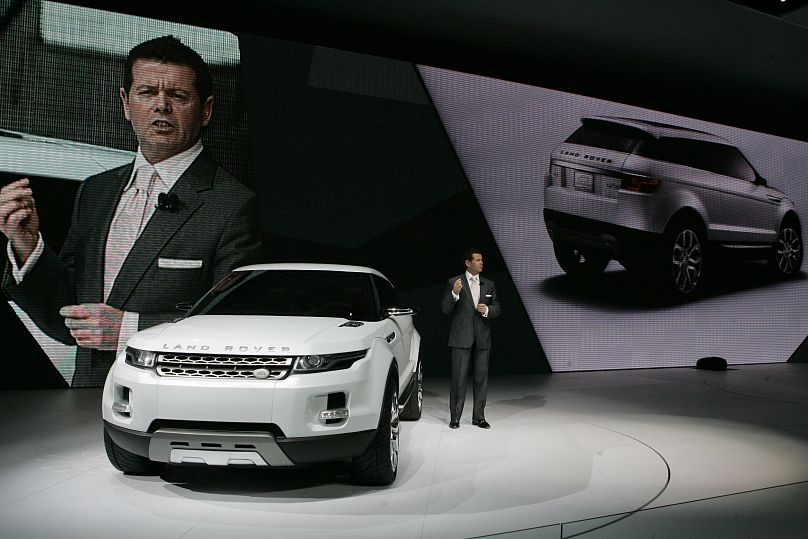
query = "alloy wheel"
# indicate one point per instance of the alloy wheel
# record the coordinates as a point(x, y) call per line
point(687, 261)
point(394, 431)
point(789, 251)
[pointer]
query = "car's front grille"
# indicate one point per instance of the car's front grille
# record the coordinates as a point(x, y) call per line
point(224, 366)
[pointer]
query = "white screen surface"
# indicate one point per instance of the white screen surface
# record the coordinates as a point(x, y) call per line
point(504, 134)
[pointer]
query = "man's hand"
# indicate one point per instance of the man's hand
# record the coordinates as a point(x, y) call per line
point(19, 220)
point(93, 325)
point(481, 308)
point(458, 285)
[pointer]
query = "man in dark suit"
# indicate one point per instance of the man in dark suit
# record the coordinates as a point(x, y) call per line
point(143, 237)
point(472, 302)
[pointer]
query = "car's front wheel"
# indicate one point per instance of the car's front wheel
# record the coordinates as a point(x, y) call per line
point(684, 259)
point(786, 256)
point(127, 462)
point(579, 263)
point(378, 464)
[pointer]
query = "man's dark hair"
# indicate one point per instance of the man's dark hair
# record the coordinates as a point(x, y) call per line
point(468, 255)
point(170, 50)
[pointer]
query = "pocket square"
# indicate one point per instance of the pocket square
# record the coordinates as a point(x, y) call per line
point(489, 295)
point(178, 263)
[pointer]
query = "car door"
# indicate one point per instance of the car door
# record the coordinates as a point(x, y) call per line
point(736, 208)
point(396, 336)
point(742, 210)
point(398, 330)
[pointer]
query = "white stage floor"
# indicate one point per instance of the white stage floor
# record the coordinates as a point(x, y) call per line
point(644, 453)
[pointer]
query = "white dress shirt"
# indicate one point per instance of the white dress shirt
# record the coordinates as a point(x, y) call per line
point(469, 277)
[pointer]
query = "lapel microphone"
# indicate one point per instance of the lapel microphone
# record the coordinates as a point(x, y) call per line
point(168, 202)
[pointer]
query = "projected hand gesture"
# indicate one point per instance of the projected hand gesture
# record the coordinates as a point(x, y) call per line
point(19, 220)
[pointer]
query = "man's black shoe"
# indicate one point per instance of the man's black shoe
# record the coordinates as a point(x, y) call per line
point(482, 423)
point(454, 424)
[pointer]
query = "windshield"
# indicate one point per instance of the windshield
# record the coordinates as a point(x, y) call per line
point(292, 293)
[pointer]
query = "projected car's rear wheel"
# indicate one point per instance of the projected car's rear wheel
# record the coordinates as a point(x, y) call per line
point(684, 254)
point(786, 256)
point(579, 263)
point(379, 462)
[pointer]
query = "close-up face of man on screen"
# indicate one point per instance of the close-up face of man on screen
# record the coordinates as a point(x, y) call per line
point(129, 257)
point(168, 105)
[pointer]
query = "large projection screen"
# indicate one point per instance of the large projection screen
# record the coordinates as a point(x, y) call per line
point(62, 121)
point(504, 134)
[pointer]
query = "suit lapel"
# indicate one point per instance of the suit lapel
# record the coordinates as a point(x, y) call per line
point(162, 226)
point(106, 202)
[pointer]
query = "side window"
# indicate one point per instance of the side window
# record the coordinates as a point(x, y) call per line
point(732, 162)
point(719, 158)
point(387, 294)
point(605, 135)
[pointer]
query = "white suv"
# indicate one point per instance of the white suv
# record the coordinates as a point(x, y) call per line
point(662, 200)
point(278, 365)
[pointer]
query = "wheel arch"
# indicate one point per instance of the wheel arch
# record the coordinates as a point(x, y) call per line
point(392, 371)
point(406, 392)
point(791, 217)
point(686, 214)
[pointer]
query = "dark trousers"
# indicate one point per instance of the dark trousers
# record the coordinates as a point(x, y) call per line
point(461, 358)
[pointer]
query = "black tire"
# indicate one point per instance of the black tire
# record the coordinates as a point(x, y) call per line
point(786, 256)
point(683, 259)
point(129, 463)
point(379, 463)
point(579, 263)
point(415, 404)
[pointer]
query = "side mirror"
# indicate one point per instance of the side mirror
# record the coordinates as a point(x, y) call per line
point(400, 311)
point(184, 306)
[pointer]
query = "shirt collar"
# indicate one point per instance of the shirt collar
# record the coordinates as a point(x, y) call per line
point(469, 276)
point(170, 170)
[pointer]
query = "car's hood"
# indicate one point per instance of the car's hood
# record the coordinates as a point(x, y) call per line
point(257, 335)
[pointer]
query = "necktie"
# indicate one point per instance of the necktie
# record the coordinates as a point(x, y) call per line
point(127, 224)
point(475, 290)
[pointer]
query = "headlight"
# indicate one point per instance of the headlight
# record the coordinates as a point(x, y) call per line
point(140, 358)
point(327, 362)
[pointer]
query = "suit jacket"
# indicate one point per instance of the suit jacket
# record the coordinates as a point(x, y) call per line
point(216, 227)
point(469, 326)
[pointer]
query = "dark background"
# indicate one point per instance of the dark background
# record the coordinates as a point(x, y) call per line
point(709, 59)
point(716, 60)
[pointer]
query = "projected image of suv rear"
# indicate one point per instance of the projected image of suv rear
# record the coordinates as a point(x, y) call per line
point(664, 201)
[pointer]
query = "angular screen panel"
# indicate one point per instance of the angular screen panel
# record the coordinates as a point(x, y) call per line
point(619, 185)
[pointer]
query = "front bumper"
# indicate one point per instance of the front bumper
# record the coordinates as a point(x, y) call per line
point(228, 444)
point(294, 411)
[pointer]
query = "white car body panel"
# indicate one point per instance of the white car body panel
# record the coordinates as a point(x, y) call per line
point(293, 403)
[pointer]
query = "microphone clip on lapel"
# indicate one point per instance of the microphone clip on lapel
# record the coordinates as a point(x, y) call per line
point(168, 202)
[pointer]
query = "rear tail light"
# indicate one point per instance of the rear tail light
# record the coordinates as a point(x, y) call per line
point(554, 178)
point(639, 184)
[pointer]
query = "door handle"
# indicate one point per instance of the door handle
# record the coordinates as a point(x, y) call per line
point(391, 337)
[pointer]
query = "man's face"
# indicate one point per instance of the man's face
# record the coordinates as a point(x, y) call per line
point(164, 109)
point(475, 265)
